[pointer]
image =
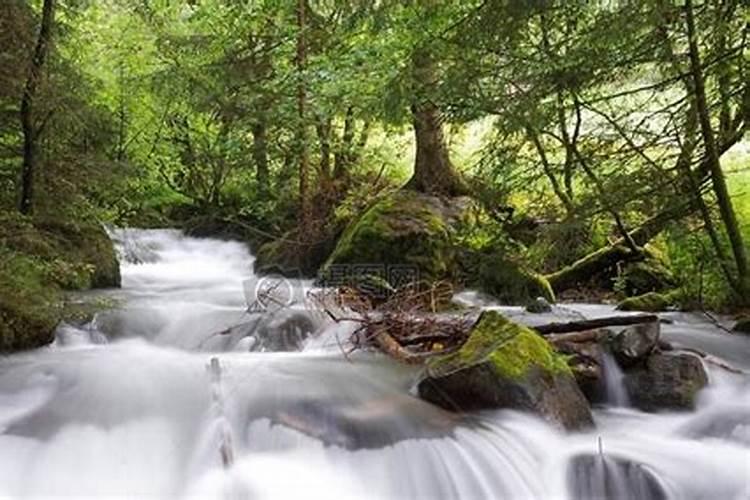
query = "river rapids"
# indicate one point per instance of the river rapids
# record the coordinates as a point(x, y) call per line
point(176, 392)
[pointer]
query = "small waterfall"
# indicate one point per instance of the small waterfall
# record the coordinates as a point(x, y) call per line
point(613, 377)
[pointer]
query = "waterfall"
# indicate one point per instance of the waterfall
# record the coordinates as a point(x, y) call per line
point(182, 391)
point(614, 388)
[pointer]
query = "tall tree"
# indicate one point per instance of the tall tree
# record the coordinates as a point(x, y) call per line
point(31, 130)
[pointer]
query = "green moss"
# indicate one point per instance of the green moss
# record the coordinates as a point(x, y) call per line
point(648, 302)
point(29, 305)
point(511, 349)
point(511, 283)
point(404, 228)
point(39, 257)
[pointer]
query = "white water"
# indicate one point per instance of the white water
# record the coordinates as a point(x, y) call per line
point(129, 408)
point(614, 387)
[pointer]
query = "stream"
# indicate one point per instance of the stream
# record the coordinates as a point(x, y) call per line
point(161, 397)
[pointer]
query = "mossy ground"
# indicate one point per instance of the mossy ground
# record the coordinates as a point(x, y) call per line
point(511, 349)
point(39, 259)
point(648, 302)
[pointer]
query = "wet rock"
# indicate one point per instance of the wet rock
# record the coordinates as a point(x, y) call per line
point(596, 477)
point(634, 343)
point(666, 381)
point(282, 331)
point(506, 365)
point(585, 361)
point(539, 305)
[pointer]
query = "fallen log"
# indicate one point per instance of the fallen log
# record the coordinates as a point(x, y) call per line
point(608, 256)
point(593, 324)
point(575, 336)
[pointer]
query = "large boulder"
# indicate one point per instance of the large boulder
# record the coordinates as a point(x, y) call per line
point(40, 257)
point(633, 343)
point(408, 230)
point(506, 365)
point(666, 381)
point(86, 243)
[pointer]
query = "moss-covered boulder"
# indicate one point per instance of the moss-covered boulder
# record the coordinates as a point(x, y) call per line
point(506, 365)
point(87, 244)
point(648, 302)
point(508, 281)
point(30, 307)
point(406, 228)
point(40, 257)
point(77, 255)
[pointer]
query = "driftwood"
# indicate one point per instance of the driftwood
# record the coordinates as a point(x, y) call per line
point(406, 325)
point(593, 324)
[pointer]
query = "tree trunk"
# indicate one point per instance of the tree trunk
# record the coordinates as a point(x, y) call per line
point(433, 171)
point(723, 199)
point(303, 158)
point(28, 101)
point(260, 155)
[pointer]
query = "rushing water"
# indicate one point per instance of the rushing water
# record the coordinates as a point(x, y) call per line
point(161, 397)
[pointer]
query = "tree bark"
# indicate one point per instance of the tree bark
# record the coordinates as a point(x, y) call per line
point(28, 102)
point(303, 159)
point(723, 199)
point(433, 171)
point(260, 155)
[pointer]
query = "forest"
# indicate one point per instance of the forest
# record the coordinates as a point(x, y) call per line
point(407, 158)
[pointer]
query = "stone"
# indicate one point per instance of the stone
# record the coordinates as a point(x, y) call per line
point(539, 305)
point(410, 230)
point(666, 381)
point(633, 343)
point(595, 477)
point(506, 365)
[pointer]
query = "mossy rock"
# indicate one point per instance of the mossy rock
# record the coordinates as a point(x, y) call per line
point(30, 307)
point(648, 302)
point(87, 244)
point(504, 279)
point(405, 229)
point(77, 255)
point(506, 365)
